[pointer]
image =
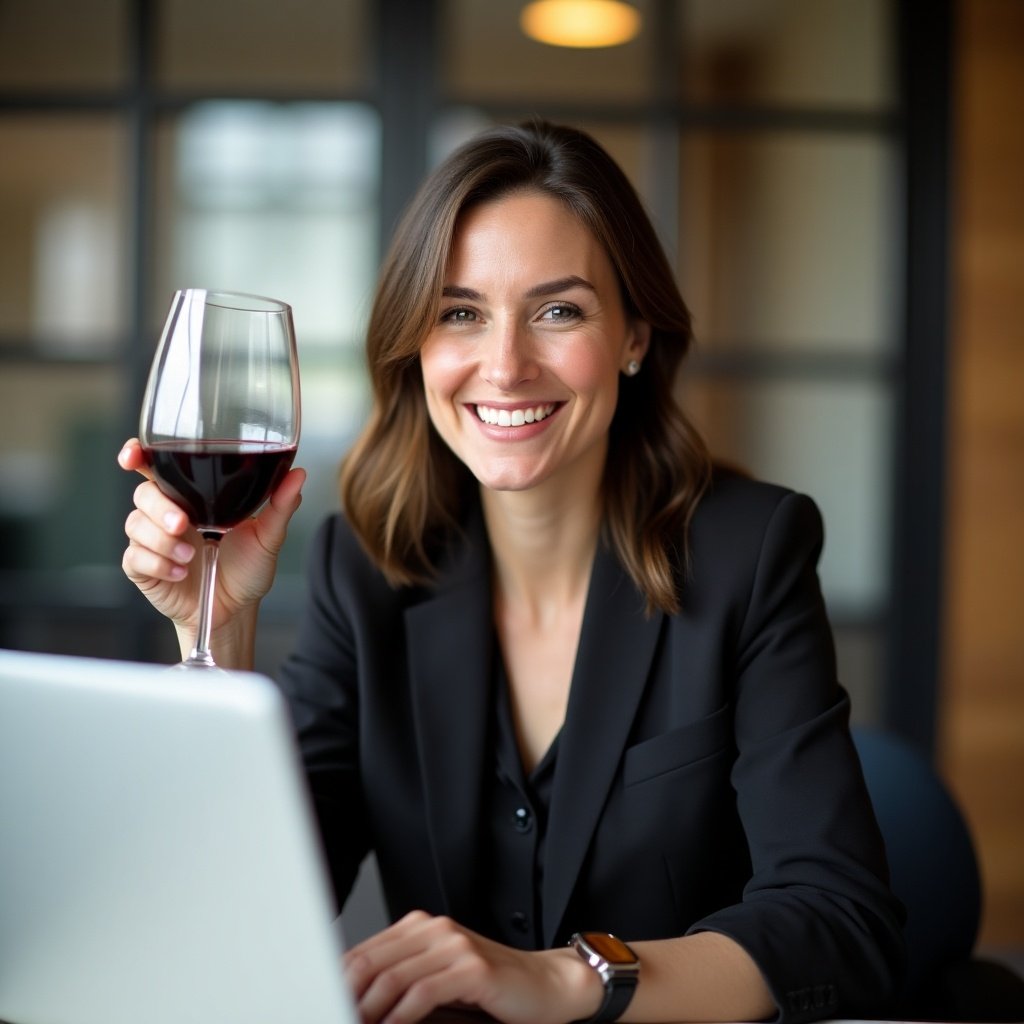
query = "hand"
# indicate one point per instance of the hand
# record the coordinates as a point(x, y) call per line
point(161, 555)
point(422, 962)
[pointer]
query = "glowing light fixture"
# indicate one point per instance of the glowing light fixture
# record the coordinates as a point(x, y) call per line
point(580, 23)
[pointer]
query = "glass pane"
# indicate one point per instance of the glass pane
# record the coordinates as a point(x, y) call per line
point(60, 496)
point(281, 200)
point(53, 44)
point(800, 52)
point(829, 440)
point(790, 241)
point(485, 55)
point(860, 656)
point(62, 251)
point(277, 199)
point(264, 44)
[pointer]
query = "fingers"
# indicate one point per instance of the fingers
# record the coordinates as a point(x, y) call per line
point(407, 925)
point(150, 499)
point(411, 990)
point(368, 963)
point(132, 457)
point(156, 549)
point(154, 504)
point(153, 552)
point(410, 969)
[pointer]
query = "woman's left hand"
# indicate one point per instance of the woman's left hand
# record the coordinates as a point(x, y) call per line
point(421, 962)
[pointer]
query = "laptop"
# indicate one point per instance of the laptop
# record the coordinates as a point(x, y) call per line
point(158, 859)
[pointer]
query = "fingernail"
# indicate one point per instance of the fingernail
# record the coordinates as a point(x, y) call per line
point(122, 455)
point(178, 572)
point(171, 520)
point(183, 552)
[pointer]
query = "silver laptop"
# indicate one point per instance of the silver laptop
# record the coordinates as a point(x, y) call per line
point(158, 860)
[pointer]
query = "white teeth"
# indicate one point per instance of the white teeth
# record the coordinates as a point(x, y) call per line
point(515, 418)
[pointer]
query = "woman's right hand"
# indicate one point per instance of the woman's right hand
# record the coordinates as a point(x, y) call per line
point(163, 556)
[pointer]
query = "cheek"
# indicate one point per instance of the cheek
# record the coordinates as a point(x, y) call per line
point(443, 375)
point(443, 368)
point(591, 373)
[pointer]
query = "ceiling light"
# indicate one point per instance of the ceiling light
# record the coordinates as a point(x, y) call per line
point(581, 23)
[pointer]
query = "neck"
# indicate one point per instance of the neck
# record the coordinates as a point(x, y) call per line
point(543, 542)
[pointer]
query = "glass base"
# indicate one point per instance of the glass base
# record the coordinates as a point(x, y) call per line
point(193, 662)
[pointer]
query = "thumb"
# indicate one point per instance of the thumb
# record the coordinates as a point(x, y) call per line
point(272, 522)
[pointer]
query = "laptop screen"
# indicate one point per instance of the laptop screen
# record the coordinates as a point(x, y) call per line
point(158, 859)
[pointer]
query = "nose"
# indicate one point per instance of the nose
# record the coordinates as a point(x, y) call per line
point(507, 359)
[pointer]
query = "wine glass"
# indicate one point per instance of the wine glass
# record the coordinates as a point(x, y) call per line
point(220, 418)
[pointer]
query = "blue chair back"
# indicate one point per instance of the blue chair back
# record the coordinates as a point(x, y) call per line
point(932, 861)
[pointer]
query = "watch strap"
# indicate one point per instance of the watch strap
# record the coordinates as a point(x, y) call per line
point(617, 994)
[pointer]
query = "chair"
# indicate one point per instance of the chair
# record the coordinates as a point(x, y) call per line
point(934, 871)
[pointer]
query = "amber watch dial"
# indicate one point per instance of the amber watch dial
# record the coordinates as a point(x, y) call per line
point(614, 950)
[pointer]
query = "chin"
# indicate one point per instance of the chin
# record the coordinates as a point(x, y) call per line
point(505, 485)
point(507, 479)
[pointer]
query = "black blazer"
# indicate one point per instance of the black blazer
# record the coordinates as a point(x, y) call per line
point(705, 777)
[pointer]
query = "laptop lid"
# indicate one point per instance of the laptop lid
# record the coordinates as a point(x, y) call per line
point(158, 858)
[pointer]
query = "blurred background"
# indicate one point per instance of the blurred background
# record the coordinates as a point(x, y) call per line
point(836, 181)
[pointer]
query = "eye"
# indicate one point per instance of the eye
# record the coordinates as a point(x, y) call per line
point(458, 315)
point(562, 312)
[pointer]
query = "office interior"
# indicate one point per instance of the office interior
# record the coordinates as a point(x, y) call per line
point(835, 180)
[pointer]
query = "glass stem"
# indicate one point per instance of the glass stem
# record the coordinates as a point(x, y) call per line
point(201, 656)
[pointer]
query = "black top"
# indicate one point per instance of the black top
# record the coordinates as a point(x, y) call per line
point(513, 850)
point(706, 779)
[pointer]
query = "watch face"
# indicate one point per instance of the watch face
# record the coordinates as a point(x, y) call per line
point(614, 950)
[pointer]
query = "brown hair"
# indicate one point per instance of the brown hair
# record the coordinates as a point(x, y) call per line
point(403, 489)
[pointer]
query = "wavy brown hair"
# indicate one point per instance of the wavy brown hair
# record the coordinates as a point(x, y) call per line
point(402, 489)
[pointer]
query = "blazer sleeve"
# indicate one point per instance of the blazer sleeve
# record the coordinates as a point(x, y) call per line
point(817, 914)
point(319, 678)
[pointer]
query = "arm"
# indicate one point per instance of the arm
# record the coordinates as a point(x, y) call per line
point(817, 915)
point(424, 962)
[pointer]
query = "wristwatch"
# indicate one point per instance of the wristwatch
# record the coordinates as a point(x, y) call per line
point(618, 966)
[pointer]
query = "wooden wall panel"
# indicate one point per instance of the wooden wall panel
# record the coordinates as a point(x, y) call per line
point(981, 741)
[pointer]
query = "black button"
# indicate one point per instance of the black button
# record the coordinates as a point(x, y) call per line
point(523, 819)
point(520, 922)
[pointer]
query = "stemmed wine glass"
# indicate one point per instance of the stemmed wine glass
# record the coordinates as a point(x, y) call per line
point(220, 418)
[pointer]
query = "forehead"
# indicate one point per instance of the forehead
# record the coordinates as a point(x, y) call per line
point(526, 233)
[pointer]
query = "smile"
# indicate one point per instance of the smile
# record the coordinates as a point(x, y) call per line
point(513, 417)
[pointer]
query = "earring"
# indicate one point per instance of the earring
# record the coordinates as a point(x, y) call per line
point(632, 368)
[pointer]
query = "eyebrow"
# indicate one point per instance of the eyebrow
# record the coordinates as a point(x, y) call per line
point(561, 284)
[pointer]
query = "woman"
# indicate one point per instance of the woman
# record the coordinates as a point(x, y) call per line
point(554, 672)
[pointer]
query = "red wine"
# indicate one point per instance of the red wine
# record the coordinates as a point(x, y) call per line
point(219, 483)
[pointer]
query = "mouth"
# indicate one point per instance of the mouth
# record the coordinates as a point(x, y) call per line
point(514, 417)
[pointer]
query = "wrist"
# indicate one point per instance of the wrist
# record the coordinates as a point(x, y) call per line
point(578, 983)
point(615, 964)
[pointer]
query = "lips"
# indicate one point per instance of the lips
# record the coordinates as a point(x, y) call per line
point(495, 417)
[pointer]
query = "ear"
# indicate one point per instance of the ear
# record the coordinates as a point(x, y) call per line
point(637, 343)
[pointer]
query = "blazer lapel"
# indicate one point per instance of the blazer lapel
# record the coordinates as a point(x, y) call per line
point(450, 645)
point(616, 647)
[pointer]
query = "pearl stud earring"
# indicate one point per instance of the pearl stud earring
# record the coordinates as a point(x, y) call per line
point(632, 368)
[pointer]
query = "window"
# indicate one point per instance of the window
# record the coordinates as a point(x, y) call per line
point(267, 147)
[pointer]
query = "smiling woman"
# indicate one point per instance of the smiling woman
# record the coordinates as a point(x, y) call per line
point(592, 249)
point(553, 671)
point(522, 340)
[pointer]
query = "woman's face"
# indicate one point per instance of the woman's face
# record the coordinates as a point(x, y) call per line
point(521, 370)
